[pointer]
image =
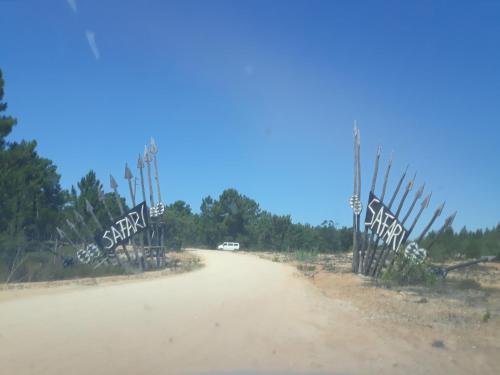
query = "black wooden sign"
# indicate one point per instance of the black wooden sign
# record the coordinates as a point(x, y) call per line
point(384, 223)
point(123, 228)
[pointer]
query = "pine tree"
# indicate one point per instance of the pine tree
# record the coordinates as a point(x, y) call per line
point(6, 122)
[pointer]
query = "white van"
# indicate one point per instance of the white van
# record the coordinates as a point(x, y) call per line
point(229, 246)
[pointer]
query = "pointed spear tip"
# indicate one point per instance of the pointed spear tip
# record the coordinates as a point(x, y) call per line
point(420, 190)
point(78, 216)
point(411, 184)
point(427, 200)
point(112, 182)
point(147, 157)
point(153, 148)
point(128, 172)
point(88, 206)
point(60, 232)
point(71, 225)
point(140, 162)
point(450, 219)
point(440, 208)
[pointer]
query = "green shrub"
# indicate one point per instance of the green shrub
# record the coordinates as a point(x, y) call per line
point(405, 271)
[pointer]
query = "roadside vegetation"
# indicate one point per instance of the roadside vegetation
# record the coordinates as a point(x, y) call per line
point(33, 204)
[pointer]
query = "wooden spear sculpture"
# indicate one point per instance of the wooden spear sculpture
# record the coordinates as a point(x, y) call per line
point(79, 218)
point(437, 213)
point(73, 228)
point(114, 186)
point(102, 199)
point(369, 269)
point(63, 236)
point(140, 166)
point(371, 245)
point(90, 210)
point(381, 261)
point(447, 224)
point(367, 241)
point(128, 177)
point(147, 159)
point(355, 199)
point(153, 150)
point(418, 195)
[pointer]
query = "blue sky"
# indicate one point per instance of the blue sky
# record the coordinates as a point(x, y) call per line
point(261, 96)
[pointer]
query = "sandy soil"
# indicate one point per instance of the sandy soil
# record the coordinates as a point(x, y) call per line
point(239, 312)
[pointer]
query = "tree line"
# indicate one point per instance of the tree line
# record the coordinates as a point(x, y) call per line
point(33, 204)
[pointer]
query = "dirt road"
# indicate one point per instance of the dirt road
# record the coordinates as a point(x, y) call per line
point(238, 312)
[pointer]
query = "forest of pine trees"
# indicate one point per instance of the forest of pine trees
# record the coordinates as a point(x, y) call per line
point(33, 203)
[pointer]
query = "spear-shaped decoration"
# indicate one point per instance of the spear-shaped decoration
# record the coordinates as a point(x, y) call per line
point(75, 230)
point(425, 203)
point(447, 223)
point(358, 151)
point(81, 221)
point(356, 194)
point(398, 187)
point(437, 213)
point(79, 217)
point(367, 241)
point(408, 188)
point(386, 177)
point(405, 194)
point(375, 168)
point(153, 149)
point(418, 195)
point(369, 261)
point(372, 246)
point(423, 206)
point(147, 159)
point(65, 236)
point(114, 186)
point(102, 199)
point(90, 210)
point(129, 177)
point(140, 166)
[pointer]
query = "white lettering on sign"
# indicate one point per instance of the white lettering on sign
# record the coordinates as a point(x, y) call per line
point(384, 223)
point(125, 227)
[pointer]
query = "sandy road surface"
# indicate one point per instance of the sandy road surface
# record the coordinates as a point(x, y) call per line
point(239, 312)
